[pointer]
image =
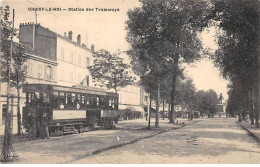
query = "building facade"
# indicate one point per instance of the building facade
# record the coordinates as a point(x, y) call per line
point(73, 58)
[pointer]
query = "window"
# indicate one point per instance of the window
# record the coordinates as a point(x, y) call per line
point(68, 100)
point(97, 101)
point(82, 101)
point(87, 62)
point(61, 75)
point(110, 102)
point(71, 76)
point(79, 60)
point(48, 72)
point(90, 101)
point(39, 70)
point(32, 70)
point(79, 78)
point(57, 101)
point(71, 57)
point(62, 54)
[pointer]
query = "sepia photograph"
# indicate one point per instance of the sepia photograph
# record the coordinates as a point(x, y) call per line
point(129, 82)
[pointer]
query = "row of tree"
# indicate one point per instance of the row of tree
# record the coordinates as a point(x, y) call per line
point(238, 53)
point(163, 35)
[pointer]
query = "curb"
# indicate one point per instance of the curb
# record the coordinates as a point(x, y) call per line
point(256, 138)
point(84, 155)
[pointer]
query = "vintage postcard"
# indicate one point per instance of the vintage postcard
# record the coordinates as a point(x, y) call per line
point(129, 82)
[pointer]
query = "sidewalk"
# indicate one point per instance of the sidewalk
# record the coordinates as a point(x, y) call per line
point(67, 148)
point(251, 129)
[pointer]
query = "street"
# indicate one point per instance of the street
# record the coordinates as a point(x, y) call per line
point(217, 140)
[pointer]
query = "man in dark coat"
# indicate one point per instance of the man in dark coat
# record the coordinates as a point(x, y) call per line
point(32, 124)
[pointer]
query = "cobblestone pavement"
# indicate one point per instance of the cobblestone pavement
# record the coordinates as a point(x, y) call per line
point(65, 149)
point(215, 140)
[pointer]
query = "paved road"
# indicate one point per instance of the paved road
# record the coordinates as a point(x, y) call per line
point(217, 140)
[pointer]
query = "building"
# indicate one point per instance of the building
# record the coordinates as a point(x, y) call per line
point(73, 58)
point(39, 70)
point(133, 97)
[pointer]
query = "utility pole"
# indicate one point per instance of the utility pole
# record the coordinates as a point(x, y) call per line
point(8, 153)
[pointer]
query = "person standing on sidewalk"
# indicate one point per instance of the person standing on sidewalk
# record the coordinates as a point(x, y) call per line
point(44, 126)
point(32, 124)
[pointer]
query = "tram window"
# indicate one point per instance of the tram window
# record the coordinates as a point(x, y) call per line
point(77, 101)
point(62, 100)
point(35, 99)
point(113, 103)
point(46, 98)
point(29, 98)
point(103, 103)
point(116, 103)
point(68, 100)
point(110, 103)
point(97, 101)
point(73, 100)
point(88, 101)
point(56, 100)
point(82, 105)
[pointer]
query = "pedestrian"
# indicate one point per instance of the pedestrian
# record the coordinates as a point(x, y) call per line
point(239, 118)
point(32, 124)
point(44, 127)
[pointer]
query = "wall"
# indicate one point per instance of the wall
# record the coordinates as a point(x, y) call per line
point(45, 40)
point(72, 63)
point(130, 95)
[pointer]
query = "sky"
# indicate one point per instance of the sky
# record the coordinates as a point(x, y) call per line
point(107, 30)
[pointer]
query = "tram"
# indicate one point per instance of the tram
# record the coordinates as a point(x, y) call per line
point(70, 109)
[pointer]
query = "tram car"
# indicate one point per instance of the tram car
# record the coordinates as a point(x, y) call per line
point(70, 109)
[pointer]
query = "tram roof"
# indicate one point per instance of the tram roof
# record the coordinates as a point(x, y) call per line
point(49, 88)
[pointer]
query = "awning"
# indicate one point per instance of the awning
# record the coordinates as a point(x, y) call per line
point(122, 107)
point(138, 108)
point(131, 107)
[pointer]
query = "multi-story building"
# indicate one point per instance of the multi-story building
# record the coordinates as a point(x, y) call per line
point(72, 58)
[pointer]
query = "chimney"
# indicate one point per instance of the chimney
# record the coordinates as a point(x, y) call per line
point(93, 48)
point(65, 34)
point(70, 35)
point(79, 39)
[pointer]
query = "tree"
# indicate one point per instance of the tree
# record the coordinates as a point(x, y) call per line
point(18, 72)
point(12, 77)
point(164, 34)
point(185, 93)
point(205, 102)
point(110, 71)
point(238, 52)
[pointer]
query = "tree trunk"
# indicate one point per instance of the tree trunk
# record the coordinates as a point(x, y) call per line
point(175, 68)
point(257, 93)
point(149, 110)
point(157, 104)
point(251, 107)
point(163, 109)
point(18, 104)
point(18, 111)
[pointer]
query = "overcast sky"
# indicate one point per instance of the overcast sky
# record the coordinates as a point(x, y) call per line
point(107, 30)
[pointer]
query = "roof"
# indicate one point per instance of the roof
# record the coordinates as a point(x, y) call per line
point(57, 35)
point(43, 88)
